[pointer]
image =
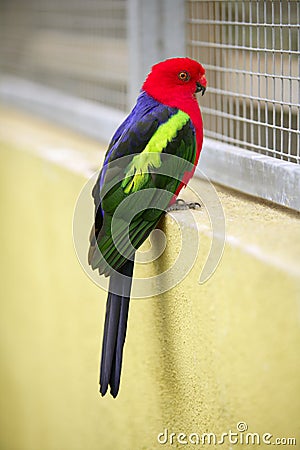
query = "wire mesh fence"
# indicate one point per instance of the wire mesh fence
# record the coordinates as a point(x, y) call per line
point(249, 48)
point(78, 47)
point(251, 52)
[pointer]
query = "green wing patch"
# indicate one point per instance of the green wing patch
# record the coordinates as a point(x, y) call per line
point(137, 174)
point(175, 137)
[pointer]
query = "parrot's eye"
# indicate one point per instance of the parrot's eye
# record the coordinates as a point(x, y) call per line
point(184, 76)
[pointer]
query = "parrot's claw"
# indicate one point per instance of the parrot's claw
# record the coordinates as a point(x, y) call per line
point(181, 205)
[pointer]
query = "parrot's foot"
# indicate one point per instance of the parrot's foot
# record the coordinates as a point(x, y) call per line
point(181, 205)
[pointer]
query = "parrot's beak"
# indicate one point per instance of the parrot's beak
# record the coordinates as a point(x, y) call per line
point(200, 88)
point(201, 85)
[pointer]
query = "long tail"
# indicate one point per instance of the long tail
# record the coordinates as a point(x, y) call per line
point(115, 329)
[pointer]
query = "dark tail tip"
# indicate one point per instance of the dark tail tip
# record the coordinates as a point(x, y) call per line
point(102, 390)
point(114, 393)
point(115, 331)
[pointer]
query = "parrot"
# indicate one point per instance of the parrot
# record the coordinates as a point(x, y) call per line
point(166, 120)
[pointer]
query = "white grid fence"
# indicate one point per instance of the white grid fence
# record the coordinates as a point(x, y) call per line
point(251, 52)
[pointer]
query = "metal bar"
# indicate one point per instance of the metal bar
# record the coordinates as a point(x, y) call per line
point(266, 80)
point(223, 75)
point(237, 23)
point(156, 32)
point(241, 47)
point(241, 144)
point(251, 78)
point(252, 173)
point(230, 62)
point(258, 75)
point(245, 129)
point(281, 81)
point(238, 73)
point(218, 58)
point(263, 74)
point(273, 82)
point(290, 86)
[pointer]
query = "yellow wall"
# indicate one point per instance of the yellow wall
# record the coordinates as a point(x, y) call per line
point(199, 358)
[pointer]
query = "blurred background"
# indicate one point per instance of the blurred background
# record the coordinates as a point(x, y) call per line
point(70, 70)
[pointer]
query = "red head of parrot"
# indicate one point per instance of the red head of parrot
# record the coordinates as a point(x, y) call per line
point(174, 82)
